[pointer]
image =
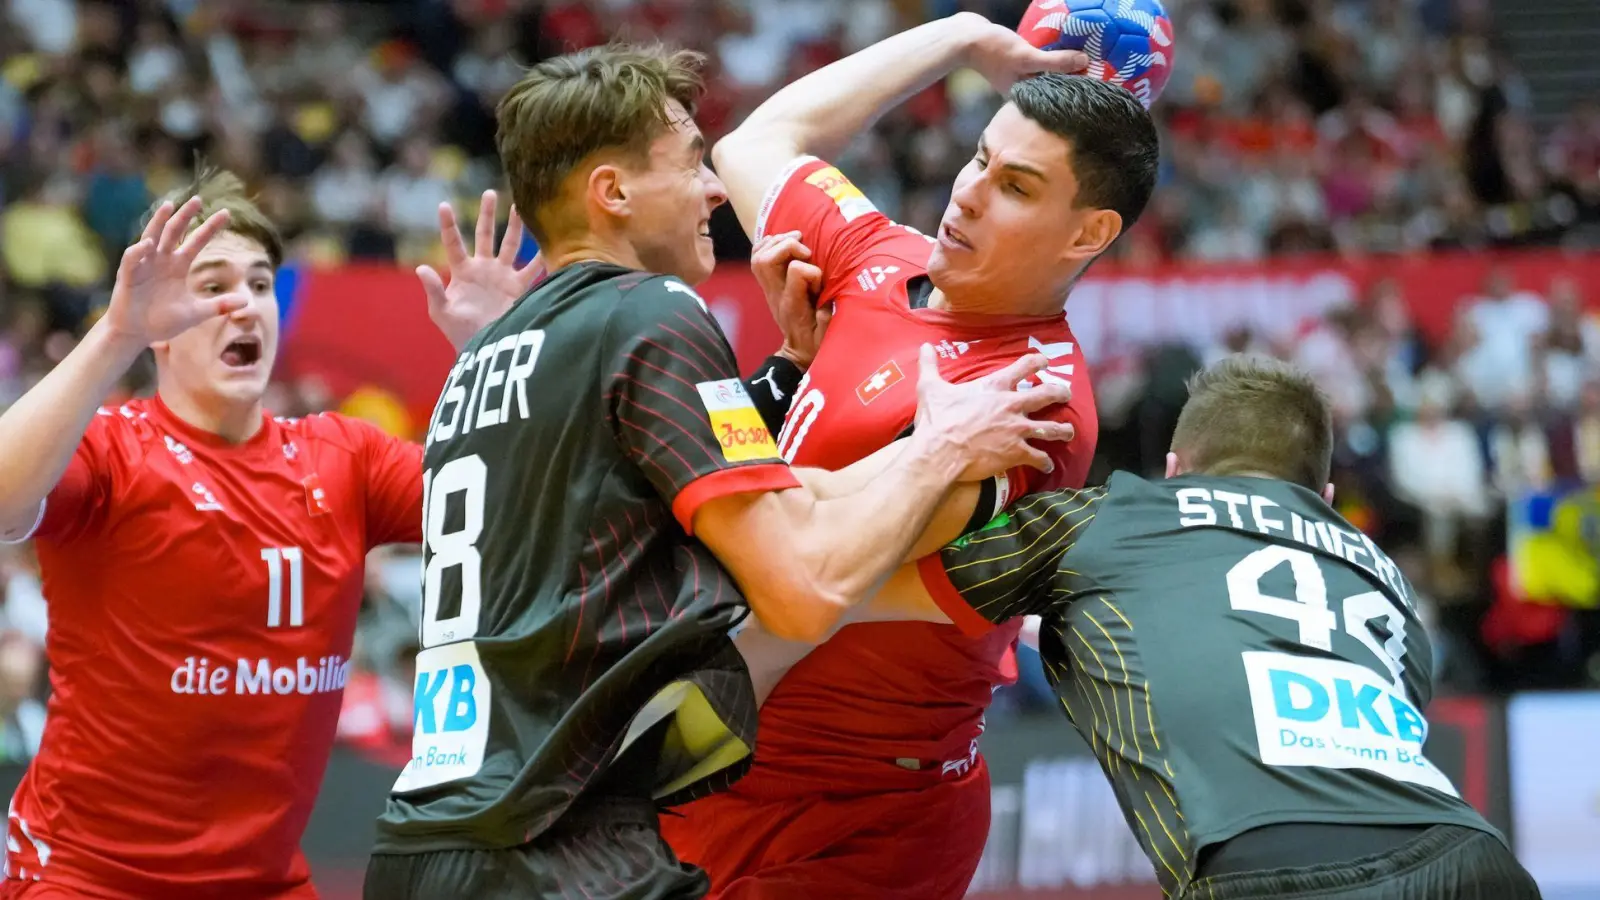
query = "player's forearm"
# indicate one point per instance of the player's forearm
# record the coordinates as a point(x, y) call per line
point(831, 485)
point(949, 517)
point(822, 112)
point(852, 543)
point(40, 432)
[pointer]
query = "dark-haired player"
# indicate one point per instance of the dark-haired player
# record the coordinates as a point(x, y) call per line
point(1248, 667)
point(870, 744)
point(203, 564)
point(577, 664)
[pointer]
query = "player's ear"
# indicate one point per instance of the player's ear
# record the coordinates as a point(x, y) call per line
point(606, 189)
point(1327, 493)
point(1100, 228)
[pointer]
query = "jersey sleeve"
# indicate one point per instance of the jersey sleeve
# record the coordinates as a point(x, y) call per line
point(1007, 568)
point(79, 501)
point(679, 410)
point(1071, 458)
point(835, 219)
point(394, 488)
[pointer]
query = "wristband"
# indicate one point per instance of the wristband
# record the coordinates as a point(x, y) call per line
point(772, 390)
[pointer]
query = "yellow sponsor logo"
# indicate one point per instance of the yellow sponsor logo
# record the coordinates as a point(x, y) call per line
point(743, 435)
point(841, 191)
point(735, 421)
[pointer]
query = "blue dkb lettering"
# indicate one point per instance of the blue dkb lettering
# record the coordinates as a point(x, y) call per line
point(1283, 698)
point(422, 701)
point(1357, 705)
point(463, 710)
point(1410, 725)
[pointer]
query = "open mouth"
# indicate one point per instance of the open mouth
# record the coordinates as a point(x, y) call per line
point(242, 353)
point(955, 237)
point(705, 229)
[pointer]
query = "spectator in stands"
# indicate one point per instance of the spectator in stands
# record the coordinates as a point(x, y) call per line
point(1436, 465)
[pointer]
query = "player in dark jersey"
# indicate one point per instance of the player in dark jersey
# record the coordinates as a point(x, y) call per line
point(1248, 667)
point(577, 664)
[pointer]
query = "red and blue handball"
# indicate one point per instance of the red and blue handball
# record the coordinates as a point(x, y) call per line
point(1129, 42)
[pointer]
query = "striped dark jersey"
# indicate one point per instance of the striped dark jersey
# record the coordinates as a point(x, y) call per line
point(564, 607)
point(1236, 654)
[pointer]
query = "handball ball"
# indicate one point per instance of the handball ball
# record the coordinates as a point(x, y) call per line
point(1129, 42)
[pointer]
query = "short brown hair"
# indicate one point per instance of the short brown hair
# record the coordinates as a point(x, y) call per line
point(1250, 414)
point(569, 107)
point(219, 189)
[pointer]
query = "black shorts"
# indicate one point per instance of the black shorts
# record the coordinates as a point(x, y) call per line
point(605, 854)
point(1446, 862)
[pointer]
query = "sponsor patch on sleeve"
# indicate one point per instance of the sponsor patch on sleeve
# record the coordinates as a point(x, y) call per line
point(851, 202)
point(735, 421)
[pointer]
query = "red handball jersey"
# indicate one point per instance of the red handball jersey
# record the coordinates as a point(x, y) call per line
point(203, 599)
point(911, 695)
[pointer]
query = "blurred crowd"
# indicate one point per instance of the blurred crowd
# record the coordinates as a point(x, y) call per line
point(1290, 126)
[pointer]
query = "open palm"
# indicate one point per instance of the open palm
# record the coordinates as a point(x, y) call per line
point(484, 282)
point(151, 300)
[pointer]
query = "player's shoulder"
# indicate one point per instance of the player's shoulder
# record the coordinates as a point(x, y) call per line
point(656, 304)
point(125, 425)
point(810, 182)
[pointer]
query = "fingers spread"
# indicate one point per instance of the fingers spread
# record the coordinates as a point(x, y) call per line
point(1022, 368)
point(152, 228)
point(208, 229)
point(455, 249)
point(173, 231)
point(1042, 397)
point(512, 244)
point(483, 236)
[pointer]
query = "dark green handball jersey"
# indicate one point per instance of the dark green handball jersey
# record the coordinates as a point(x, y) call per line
point(565, 611)
point(1234, 651)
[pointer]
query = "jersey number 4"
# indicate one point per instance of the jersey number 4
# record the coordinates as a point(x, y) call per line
point(467, 476)
point(1310, 610)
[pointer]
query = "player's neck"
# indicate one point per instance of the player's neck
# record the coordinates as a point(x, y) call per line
point(231, 421)
point(979, 304)
point(560, 254)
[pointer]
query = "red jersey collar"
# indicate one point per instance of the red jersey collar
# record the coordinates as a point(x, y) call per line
point(188, 433)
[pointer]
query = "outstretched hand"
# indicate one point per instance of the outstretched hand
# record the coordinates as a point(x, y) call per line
point(984, 426)
point(151, 300)
point(791, 285)
point(484, 283)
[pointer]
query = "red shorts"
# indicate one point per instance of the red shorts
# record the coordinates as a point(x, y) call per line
point(905, 845)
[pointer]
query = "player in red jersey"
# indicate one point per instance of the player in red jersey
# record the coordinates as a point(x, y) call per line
point(867, 778)
point(203, 562)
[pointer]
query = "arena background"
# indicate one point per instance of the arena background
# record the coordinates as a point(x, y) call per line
point(1401, 195)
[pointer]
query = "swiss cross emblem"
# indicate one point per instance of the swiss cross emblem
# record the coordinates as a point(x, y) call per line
point(887, 376)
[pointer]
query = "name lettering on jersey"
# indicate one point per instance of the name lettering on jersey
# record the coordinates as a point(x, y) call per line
point(851, 202)
point(483, 384)
point(879, 382)
point(874, 276)
point(1198, 507)
point(1056, 371)
point(178, 450)
point(204, 500)
point(735, 421)
point(261, 677)
point(681, 288)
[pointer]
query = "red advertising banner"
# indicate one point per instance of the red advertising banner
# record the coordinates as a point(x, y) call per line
point(368, 325)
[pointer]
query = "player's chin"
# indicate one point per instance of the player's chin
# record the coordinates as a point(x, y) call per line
point(244, 384)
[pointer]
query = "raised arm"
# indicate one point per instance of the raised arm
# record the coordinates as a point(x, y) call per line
point(820, 113)
point(150, 302)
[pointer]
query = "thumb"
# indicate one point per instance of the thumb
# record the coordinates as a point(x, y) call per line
point(928, 367)
point(806, 272)
point(432, 285)
point(1067, 61)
